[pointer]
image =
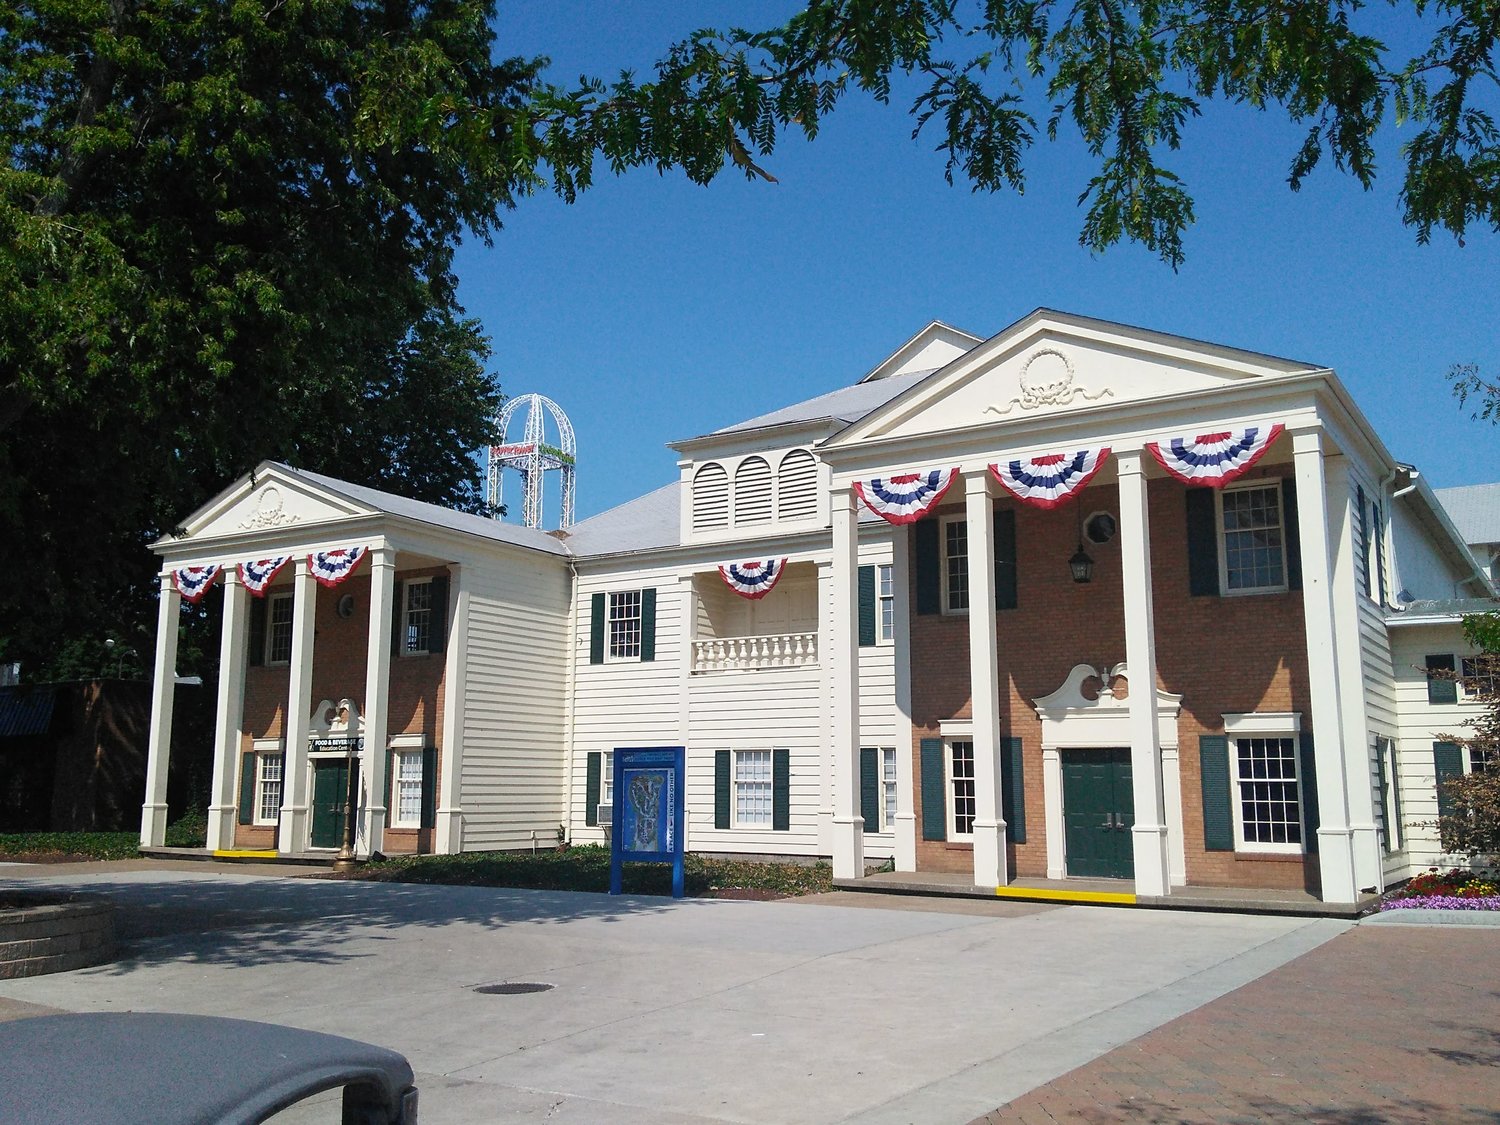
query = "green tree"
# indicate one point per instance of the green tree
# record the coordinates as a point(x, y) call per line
point(1471, 824)
point(226, 229)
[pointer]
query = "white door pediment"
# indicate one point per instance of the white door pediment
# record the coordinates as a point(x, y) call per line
point(1073, 720)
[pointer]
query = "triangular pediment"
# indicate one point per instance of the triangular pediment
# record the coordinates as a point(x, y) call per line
point(268, 499)
point(1053, 363)
point(935, 346)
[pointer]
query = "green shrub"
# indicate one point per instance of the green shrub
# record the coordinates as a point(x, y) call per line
point(87, 845)
point(188, 831)
point(586, 868)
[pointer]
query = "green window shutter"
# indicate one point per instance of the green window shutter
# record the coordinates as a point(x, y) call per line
point(1012, 790)
point(721, 789)
point(437, 630)
point(1005, 559)
point(1385, 797)
point(648, 624)
point(1291, 534)
point(591, 788)
point(1398, 828)
point(1441, 691)
point(781, 790)
point(928, 557)
point(934, 791)
point(866, 606)
point(1448, 761)
point(429, 787)
point(1308, 765)
point(390, 775)
point(398, 618)
point(1362, 540)
point(869, 788)
point(1218, 813)
point(596, 629)
point(257, 652)
point(1202, 543)
point(247, 787)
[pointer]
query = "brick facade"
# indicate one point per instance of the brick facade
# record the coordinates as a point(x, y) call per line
point(340, 648)
point(1222, 655)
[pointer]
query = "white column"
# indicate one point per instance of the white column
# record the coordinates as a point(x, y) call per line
point(229, 721)
point(687, 608)
point(1353, 719)
point(828, 609)
point(848, 824)
point(1149, 836)
point(1171, 778)
point(990, 868)
point(1335, 842)
point(906, 785)
point(292, 835)
point(449, 835)
point(374, 760)
point(163, 693)
point(1057, 867)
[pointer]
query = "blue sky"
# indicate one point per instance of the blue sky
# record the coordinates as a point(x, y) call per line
point(653, 309)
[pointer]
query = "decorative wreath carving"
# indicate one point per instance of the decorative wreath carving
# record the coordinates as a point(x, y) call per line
point(1047, 380)
point(269, 511)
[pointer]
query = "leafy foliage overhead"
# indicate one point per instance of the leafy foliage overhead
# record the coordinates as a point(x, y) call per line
point(1127, 76)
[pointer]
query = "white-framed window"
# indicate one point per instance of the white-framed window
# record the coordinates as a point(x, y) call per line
point(269, 779)
point(955, 565)
point(1252, 539)
point(1481, 674)
point(625, 625)
point(752, 788)
point(279, 628)
point(885, 601)
point(1481, 759)
point(607, 778)
point(406, 789)
point(888, 789)
point(1267, 792)
point(960, 762)
point(416, 617)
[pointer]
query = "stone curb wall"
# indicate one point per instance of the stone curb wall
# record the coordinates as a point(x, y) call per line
point(55, 937)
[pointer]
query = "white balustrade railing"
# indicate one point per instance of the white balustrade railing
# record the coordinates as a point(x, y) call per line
point(735, 654)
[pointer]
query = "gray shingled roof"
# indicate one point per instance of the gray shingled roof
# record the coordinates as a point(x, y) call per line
point(1474, 510)
point(649, 521)
point(433, 514)
point(847, 404)
point(1442, 607)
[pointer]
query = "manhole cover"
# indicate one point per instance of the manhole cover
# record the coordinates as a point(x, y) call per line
point(511, 988)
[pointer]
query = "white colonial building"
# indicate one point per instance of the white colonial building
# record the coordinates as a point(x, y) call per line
point(905, 620)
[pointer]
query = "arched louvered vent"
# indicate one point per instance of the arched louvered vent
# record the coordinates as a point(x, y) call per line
point(710, 498)
point(797, 486)
point(752, 492)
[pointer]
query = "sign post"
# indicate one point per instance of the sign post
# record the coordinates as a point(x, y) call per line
point(647, 820)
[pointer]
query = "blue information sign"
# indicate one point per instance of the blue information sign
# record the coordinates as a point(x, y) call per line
point(648, 811)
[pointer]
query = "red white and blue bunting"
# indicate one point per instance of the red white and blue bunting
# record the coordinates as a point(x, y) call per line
point(1049, 480)
point(332, 567)
point(905, 497)
point(257, 575)
point(192, 582)
point(1214, 459)
point(753, 580)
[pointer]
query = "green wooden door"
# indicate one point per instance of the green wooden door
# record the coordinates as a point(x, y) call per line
point(330, 791)
point(1098, 812)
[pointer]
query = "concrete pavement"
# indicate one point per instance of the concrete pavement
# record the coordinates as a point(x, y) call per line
point(669, 1011)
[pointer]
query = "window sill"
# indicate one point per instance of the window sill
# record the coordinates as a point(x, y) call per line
point(1270, 857)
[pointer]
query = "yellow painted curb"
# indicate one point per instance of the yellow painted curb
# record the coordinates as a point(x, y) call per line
point(1116, 898)
point(243, 853)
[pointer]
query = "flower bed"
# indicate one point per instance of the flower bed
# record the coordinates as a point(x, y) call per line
point(1446, 890)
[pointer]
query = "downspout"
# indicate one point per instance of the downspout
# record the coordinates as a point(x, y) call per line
point(572, 697)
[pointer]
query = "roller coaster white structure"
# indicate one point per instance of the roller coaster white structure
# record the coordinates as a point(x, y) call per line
point(534, 455)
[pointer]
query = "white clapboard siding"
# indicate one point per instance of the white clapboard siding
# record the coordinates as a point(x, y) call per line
point(515, 703)
point(622, 702)
point(1420, 725)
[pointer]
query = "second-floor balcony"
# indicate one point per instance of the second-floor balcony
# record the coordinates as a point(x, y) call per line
point(735, 634)
point(740, 654)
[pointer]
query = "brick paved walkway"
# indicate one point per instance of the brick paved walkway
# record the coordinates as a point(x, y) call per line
point(1384, 1025)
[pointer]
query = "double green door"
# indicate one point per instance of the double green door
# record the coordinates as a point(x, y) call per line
point(1098, 812)
point(330, 791)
